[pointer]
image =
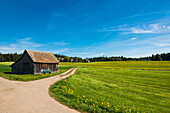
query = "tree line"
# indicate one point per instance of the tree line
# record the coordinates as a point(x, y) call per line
point(12, 57)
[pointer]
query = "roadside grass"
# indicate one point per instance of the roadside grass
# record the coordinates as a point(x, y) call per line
point(5, 69)
point(111, 87)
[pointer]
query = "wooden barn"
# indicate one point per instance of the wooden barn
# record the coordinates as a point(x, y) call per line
point(34, 62)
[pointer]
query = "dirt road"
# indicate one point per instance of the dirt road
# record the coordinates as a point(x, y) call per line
point(31, 97)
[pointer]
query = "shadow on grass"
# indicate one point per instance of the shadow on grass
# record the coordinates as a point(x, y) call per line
point(7, 73)
point(13, 73)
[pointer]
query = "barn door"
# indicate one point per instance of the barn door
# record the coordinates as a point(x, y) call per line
point(38, 68)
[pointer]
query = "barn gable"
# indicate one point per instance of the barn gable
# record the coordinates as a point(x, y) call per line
point(24, 65)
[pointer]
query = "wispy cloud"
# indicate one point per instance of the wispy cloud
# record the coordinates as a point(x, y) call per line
point(162, 44)
point(137, 47)
point(108, 34)
point(27, 42)
point(99, 54)
point(151, 28)
point(158, 12)
point(79, 53)
point(140, 28)
point(61, 43)
point(19, 46)
point(6, 48)
point(86, 49)
point(59, 50)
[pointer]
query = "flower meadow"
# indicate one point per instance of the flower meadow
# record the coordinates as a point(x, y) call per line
point(61, 92)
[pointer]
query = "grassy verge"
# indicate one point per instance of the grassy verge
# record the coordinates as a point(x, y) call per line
point(4, 67)
point(99, 87)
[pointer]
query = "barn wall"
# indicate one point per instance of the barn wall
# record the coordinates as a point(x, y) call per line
point(24, 66)
point(38, 67)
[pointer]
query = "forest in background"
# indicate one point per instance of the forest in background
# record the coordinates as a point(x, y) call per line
point(12, 57)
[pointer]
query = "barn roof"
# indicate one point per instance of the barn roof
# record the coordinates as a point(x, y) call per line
point(42, 57)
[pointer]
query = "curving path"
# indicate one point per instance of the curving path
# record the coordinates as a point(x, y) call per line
point(31, 97)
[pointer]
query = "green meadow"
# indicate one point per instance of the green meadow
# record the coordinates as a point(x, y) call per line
point(101, 87)
point(120, 86)
point(5, 73)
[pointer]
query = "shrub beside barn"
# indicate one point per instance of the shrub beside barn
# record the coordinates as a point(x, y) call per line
point(35, 62)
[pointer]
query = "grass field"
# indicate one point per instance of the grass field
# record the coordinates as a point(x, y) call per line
point(5, 69)
point(127, 86)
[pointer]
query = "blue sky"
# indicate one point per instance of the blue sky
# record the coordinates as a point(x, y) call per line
point(86, 28)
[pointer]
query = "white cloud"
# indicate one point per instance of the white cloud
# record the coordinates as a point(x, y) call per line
point(168, 27)
point(150, 28)
point(154, 26)
point(139, 30)
point(133, 38)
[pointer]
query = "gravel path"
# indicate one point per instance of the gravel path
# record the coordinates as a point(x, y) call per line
point(31, 97)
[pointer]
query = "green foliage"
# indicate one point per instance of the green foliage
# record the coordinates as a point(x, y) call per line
point(116, 87)
point(66, 59)
point(5, 69)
